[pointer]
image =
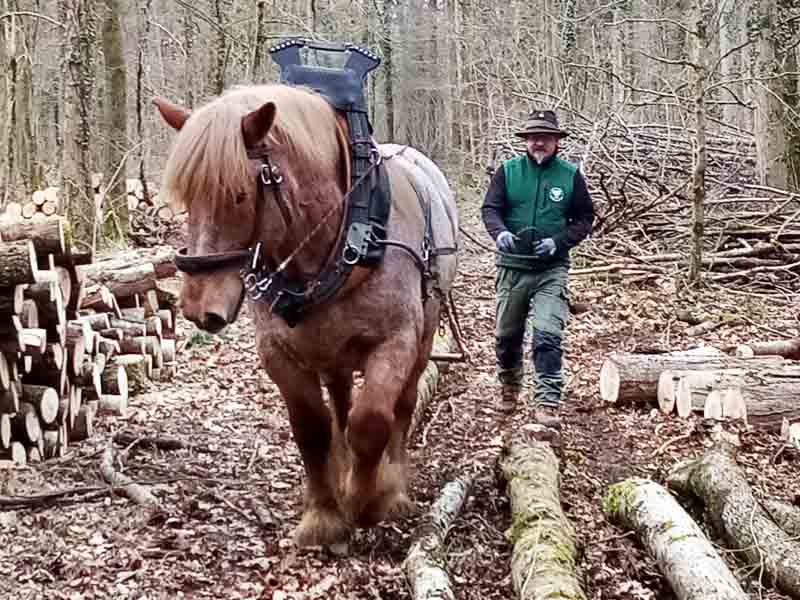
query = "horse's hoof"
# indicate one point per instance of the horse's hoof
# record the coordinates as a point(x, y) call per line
point(400, 506)
point(321, 527)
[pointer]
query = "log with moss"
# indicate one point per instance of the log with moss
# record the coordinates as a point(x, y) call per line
point(543, 539)
point(425, 565)
point(684, 554)
point(738, 518)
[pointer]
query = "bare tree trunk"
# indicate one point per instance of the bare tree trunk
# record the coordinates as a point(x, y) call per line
point(5, 186)
point(23, 108)
point(769, 134)
point(143, 33)
point(260, 41)
point(731, 37)
point(219, 56)
point(79, 80)
point(115, 211)
point(388, 68)
point(189, 72)
point(700, 43)
point(9, 112)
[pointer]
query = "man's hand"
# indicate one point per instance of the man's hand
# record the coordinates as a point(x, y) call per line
point(505, 241)
point(545, 247)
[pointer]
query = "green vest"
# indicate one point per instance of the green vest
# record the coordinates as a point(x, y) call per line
point(539, 198)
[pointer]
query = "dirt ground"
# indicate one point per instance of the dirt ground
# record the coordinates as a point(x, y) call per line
point(228, 505)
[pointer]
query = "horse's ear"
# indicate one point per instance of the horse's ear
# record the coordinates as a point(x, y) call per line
point(257, 124)
point(174, 114)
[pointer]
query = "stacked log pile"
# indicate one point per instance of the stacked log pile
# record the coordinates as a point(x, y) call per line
point(754, 386)
point(77, 336)
point(151, 220)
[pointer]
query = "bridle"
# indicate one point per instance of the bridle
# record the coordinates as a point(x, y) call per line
point(258, 280)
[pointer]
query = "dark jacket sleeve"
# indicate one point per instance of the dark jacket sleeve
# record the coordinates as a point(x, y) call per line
point(580, 216)
point(495, 204)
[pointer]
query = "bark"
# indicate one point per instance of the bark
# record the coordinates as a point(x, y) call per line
point(737, 517)
point(17, 263)
point(688, 560)
point(785, 515)
point(543, 555)
point(787, 348)
point(138, 369)
point(115, 213)
point(426, 389)
point(79, 78)
point(628, 377)
point(425, 566)
point(48, 236)
point(123, 484)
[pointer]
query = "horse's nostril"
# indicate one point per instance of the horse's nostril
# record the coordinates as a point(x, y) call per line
point(213, 322)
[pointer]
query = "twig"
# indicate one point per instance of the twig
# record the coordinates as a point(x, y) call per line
point(122, 483)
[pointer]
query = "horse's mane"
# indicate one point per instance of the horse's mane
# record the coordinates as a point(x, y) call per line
point(208, 161)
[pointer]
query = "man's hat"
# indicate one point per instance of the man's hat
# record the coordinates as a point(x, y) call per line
point(541, 121)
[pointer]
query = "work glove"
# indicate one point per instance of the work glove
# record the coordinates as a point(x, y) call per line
point(505, 241)
point(545, 247)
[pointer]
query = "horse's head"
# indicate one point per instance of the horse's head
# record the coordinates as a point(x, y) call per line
point(219, 171)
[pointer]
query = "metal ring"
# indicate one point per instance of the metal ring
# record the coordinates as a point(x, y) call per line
point(353, 252)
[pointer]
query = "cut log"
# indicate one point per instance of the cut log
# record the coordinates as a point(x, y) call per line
point(17, 263)
point(543, 554)
point(47, 236)
point(138, 370)
point(43, 399)
point(737, 517)
point(630, 378)
point(11, 300)
point(688, 560)
point(5, 374)
point(16, 453)
point(424, 565)
point(9, 399)
point(5, 431)
point(763, 396)
point(786, 348)
point(123, 282)
point(168, 351)
point(114, 380)
point(83, 428)
point(165, 373)
point(25, 424)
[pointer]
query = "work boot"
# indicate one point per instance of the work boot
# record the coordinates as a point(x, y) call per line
point(509, 396)
point(547, 416)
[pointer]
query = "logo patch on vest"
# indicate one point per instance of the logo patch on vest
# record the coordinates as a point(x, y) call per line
point(556, 194)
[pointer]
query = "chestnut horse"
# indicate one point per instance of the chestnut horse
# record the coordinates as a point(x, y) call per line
point(380, 323)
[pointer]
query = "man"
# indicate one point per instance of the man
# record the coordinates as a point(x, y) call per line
point(537, 207)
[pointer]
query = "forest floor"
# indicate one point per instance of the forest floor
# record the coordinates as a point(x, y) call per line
point(229, 504)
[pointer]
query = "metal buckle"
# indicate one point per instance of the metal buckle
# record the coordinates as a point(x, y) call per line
point(270, 175)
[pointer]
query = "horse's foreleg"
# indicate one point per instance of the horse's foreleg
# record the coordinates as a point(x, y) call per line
point(322, 522)
point(371, 482)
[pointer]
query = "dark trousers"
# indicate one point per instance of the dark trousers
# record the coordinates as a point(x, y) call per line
point(541, 295)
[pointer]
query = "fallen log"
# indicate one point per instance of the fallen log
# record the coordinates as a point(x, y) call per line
point(632, 378)
point(543, 539)
point(785, 515)
point(424, 566)
point(123, 484)
point(735, 514)
point(786, 348)
point(688, 560)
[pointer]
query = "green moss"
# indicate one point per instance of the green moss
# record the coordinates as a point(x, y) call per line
point(618, 496)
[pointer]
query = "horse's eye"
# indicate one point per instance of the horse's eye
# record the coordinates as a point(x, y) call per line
point(240, 198)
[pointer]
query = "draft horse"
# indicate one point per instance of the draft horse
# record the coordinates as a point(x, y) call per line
point(264, 173)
